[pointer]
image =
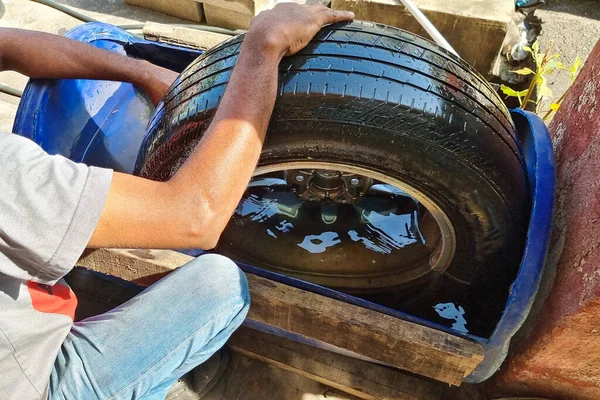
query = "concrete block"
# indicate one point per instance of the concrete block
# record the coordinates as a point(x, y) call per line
point(248, 7)
point(180, 36)
point(184, 9)
point(475, 28)
point(225, 18)
point(237, 14)
point(558, 354)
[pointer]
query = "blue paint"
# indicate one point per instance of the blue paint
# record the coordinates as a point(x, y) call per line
point(539, 156)
point(79, 120)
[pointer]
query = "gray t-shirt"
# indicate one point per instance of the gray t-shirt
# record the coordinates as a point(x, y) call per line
point(49, 208)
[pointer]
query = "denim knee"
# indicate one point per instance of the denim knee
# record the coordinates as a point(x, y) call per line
point(219, 272)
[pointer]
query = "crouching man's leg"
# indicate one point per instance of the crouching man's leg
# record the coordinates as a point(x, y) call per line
point(140, 348)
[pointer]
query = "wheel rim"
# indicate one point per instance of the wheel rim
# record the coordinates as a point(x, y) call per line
point(390, 235)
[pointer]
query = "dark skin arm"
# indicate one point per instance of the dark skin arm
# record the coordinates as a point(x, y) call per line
point(42, 55)
point(192, 209)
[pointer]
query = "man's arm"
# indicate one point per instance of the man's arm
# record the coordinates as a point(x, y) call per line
point(193, 208)
point(42, 55)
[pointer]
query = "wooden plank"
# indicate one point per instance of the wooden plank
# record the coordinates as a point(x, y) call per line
point(180, 36)
point(359, 378)
point(184, 9)
point(331, 323)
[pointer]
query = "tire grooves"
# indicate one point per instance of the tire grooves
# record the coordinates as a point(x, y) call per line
point(427, 45)
point(485, 95)
point(378, 29)
point(202, 78)
point(328, 36)
point(514, 146)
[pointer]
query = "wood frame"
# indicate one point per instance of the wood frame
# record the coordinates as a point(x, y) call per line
point(326, 322)
point(359, 378)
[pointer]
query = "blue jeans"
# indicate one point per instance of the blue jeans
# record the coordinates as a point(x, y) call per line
point(139, 349)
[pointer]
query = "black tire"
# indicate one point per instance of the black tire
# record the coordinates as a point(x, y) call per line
point(384, 99)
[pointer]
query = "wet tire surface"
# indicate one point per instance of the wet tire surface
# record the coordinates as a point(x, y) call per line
point(381, 98)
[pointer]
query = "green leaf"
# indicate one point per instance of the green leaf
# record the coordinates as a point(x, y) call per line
point(552, 65)
point(523, 71)
point(543, 89)
point(575, 68)
point(576, 65)
point(537, 57)
point(513, 93)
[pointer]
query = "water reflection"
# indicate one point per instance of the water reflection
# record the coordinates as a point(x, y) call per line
point(449, 311)
point(319, 243)
point(383, 232)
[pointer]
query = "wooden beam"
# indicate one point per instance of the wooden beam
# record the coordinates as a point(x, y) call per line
point(180, 36)
point(359, 378)
point(331, 323)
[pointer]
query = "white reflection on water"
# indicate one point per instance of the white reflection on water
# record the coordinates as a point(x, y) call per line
point(449, 311)
point(284, 226)
point(379, 232)
point(258, 209)
point(319, 243)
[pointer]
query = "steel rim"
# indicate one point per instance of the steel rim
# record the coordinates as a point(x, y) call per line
point(439, 260)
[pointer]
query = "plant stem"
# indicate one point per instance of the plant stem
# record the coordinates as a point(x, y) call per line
point(559, 102)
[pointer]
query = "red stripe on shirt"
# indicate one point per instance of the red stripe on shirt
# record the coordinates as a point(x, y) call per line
point(56, 299)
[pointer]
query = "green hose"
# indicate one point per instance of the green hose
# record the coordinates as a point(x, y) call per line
point(207, 28)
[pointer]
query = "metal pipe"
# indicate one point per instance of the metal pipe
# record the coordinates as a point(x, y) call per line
point(428, 26)
point(207, 28)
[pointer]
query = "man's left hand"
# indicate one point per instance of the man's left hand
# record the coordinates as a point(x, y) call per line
point(156, 81)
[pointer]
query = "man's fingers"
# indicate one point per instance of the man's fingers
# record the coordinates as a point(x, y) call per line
point(332, 16)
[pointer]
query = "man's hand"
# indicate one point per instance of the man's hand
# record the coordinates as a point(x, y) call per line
point(287, 28)
point(42, 55)
point(155, 81)
point(192, 209)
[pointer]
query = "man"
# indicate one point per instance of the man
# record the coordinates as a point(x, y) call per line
point(52, 208)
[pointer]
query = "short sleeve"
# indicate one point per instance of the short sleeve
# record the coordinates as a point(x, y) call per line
point(49, 208)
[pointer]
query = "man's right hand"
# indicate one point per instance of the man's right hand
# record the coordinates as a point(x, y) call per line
point(287, 28)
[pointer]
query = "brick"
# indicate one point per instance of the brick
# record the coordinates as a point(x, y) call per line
point(558, 352)
point(475, 28)
point(184, 9)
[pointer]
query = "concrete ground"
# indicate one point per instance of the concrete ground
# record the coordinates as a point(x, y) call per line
point(574, 27)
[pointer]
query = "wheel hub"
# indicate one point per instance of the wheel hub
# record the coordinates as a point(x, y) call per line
point(329, 185)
